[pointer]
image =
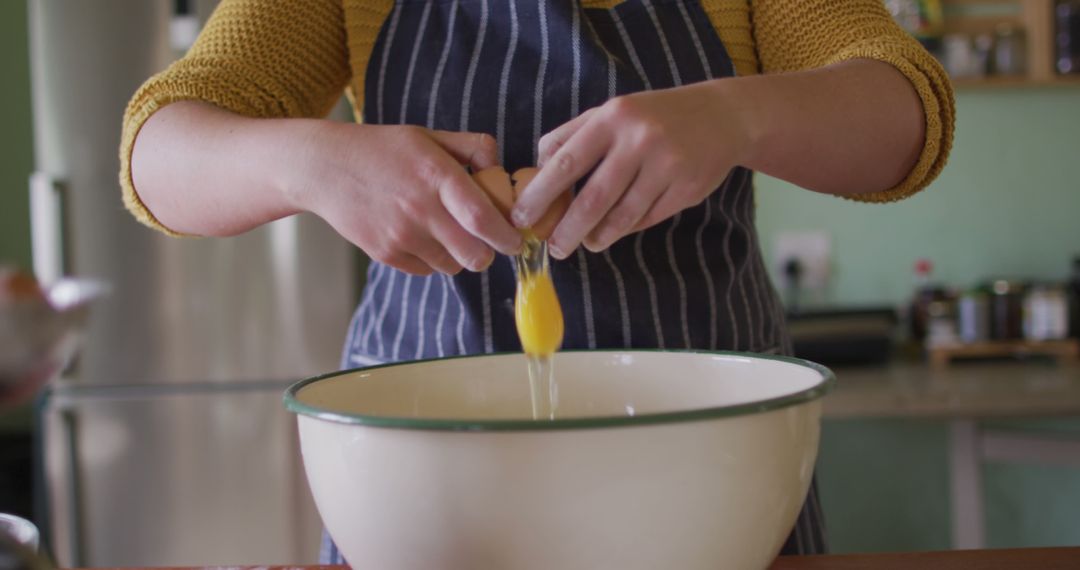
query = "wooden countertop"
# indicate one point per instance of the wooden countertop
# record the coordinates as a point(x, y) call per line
point(1041, 558)
point(971, 390)
point(1005, 559)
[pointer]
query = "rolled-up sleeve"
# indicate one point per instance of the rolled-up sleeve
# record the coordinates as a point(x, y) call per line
point(257, 58)
point(795, 35)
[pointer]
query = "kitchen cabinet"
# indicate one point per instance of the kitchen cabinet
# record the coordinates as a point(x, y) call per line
point(964, 395)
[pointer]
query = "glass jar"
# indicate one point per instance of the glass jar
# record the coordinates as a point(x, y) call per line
point(1010, 51)
point(1067, 36)
point(973, 316)
point(1006, 310)
point(1046, 313)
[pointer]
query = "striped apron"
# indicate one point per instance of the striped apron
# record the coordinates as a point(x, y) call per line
point(517, 69)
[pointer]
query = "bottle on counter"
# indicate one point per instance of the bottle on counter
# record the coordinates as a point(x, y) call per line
point(1073, 289)
point(925, 293)
point(1046, 312)
point(973, 315)
point(1006, 309)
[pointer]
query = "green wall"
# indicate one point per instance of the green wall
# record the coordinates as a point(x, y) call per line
point(1008, 203)
point(16, 152)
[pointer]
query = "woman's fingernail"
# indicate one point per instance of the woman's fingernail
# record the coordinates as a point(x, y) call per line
point(520, 218)
point(556, 252)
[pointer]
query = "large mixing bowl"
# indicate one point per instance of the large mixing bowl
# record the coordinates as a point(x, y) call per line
point(656, 460)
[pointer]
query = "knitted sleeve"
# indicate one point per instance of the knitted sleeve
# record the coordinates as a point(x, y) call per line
point(258, 58)
point(803, 34)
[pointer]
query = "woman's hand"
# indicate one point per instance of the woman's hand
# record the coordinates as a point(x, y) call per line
point(848, 128)
point(651, 154)
point(400, 193)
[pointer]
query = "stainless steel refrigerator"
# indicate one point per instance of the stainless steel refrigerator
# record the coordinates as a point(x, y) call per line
point(166, 444)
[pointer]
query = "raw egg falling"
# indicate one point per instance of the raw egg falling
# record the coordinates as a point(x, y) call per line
point(537, 312)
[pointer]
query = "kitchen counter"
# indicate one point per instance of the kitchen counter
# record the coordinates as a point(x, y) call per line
point(964, 393)
point(1041, 558)
point(980, 390)
point(1006, 559)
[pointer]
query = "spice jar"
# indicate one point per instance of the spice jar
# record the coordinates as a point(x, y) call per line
point(973, 316)
point(1010, 51)
point(1067, 33)
point(1046, 312)
point(1006, 310)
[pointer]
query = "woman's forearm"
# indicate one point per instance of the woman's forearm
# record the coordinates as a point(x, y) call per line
point(849, 128)
point(201, 170)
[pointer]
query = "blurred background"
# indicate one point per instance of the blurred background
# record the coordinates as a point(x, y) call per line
point(956, 422)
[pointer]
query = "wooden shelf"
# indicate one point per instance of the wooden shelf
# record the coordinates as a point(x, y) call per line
point(1063, 350)
point(1001, 82)
point(1034, 17)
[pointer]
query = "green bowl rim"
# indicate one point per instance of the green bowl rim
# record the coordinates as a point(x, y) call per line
point(293, 404)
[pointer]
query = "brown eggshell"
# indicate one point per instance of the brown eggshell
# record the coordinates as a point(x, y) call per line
point(544, 227)
point(495, 182)
point(18, 286)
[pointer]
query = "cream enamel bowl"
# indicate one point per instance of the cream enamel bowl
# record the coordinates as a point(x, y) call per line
point(656, 460)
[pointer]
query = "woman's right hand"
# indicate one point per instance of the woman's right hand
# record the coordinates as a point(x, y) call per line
point(401, 194)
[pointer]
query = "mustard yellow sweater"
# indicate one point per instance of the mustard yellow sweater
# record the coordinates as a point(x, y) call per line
point(293, 58)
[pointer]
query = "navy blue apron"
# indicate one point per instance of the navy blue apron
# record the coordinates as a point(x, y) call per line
point(517, 69)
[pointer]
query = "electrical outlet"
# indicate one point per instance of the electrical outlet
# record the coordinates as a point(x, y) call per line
point(812, 249)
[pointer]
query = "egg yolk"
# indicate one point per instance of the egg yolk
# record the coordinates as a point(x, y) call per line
point(538, 314)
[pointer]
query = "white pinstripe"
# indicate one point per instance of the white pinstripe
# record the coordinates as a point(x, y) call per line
point(461, 317)
point(696, 40)
point(638, 253)
point(442, 316)
point(624, 307)
point(390, 32)
point(575, 47)
point(728, 228)
point(437, 80)
point(760, 294)
point(412, 60)
point(500, 129)
point(383, 309)
point(354, 329)
point(435, 83)
point(504, 81)
point(420, 316)
point(669, 236)
point(630, 48)
point(538, 92)
point(575, 86)
point(669, 241)
point(703, 263)
point(402, 318)
point(699, 234)
point(676, 78)
point(741, 271)
point(466, 97)
point(620, 286)
point(404, 107)
point(378, 275)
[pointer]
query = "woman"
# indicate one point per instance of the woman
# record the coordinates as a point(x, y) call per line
point(654, 110)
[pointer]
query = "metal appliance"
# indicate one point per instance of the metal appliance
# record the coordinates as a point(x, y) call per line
point(166, 443)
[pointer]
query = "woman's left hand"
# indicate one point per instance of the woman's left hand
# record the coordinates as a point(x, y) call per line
point(650, 155)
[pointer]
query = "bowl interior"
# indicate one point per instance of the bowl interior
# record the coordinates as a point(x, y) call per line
point(590, 385)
